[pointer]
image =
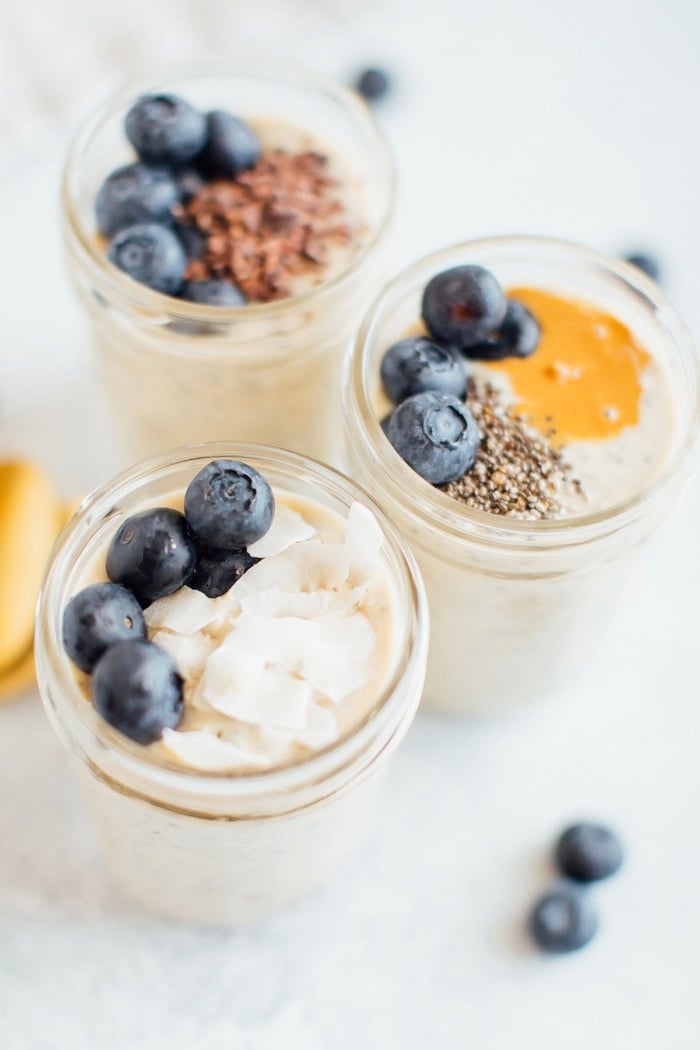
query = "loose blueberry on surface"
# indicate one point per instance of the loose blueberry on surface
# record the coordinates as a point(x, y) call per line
point(563, 919)
point(153, 553)
point(213, 293)
point(646, 262)
point(137, 689)
point(98, 617)
point(135, 194)
point(165, 129)
point(588, 852)
point(435, 434)
point(153, 255)
point(217, 570)
point(463, 305)
point(517, 336)
point(231, 146)
point(417, 364)
point(229, 505)
point(373, 84)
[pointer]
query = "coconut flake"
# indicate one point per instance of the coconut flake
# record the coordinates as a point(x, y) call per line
point(306, 566)
point(338, 666)
point(364, 539)
point(288, 527)
point(186, 611)
point(273, 603)
point(205, 751)
point(282, 641)
point(271, 697)
point(253, 675)
point(189, 651)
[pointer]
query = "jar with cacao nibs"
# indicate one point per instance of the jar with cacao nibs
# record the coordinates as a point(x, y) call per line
point(239, 333)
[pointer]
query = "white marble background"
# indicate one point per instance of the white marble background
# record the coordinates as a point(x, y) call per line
point(559, 118)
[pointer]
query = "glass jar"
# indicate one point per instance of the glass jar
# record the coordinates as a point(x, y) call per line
point(517, 606)
point(213, 848)
point(173, 372)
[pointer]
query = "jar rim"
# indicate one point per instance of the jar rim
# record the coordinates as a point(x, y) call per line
point(66, 704)
point(438, 510)
point(138, 297)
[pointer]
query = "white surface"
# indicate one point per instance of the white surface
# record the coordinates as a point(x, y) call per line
point(576, 120)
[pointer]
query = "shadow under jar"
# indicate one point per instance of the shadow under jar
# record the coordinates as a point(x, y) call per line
point(517, 606)
point(173, 372)
point(221, 849)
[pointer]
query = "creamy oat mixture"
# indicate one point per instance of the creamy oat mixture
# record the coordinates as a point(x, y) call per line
point(292, 658)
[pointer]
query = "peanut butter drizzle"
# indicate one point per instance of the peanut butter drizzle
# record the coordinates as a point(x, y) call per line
point(583, 381)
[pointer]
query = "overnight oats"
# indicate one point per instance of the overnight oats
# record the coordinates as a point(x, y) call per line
point(231, 643)
point(524, 411)
point(225, 229)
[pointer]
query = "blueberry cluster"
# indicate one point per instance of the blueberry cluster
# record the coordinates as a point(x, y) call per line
point(135, 684)
point(467, 316)
point(178, 149)
point(564, 919)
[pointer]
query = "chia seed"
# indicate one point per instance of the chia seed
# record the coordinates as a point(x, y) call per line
point(517, 473)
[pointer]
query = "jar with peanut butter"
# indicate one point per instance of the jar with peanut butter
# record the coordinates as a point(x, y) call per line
point(527, 495)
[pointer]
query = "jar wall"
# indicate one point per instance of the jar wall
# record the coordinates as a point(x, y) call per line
point(222, 872)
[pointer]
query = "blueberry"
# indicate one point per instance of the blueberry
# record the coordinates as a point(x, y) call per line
point(519, 330)
point(193, 241)
point(517, 336)
point(214, 293)
point(587, 852)
point(153, 553)
point(229, 505)
point(137, 689)
point(373, 84)
point(164, 129)
point(231, 146)
point(646, 262)
point(135, 194)
point(217, 570)
point(96, 618)
point(151, 254)
point(463, 306)
point(416, 364)
point(563, 920)
point(435, 434)
point(189, 182)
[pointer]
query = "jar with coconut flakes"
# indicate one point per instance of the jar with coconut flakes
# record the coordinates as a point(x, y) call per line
point(254, 775)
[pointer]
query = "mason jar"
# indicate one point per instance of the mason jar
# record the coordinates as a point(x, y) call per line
point(517, 607)
point(214, 848)
point(173, 372)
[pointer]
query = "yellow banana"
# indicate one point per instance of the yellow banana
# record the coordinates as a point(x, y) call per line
point(30, 518)
point(19, 678)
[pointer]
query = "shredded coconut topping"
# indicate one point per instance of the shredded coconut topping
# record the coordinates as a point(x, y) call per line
point(267, 664)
